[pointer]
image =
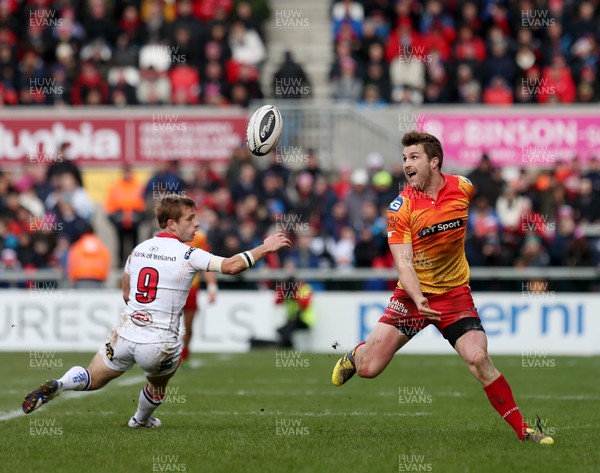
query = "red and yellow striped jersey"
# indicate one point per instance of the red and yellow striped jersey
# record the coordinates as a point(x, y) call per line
point(436, 228)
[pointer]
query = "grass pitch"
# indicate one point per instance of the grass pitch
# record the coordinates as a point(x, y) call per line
point(261, 412)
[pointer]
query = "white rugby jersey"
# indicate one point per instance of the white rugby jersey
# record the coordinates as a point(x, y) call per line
point(161, 271)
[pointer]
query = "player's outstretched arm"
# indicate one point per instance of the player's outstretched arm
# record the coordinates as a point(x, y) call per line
point(242, 261)
point(403, 256)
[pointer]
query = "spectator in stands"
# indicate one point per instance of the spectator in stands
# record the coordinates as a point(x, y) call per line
point(343, 249)
point(63, 164)
point(384, 192)
point(211, 10)
point(500, 63)
point(585, 22)
point(272, 193)
point(593, 174)
point(468, 87)
point(239, 158)
point(88, 261)
point(302, 255)
point(336, 220)
point(348, 86)
point(498, 92)
point(365, 250)
point(68, 223)
point(246, 183)
point(377, 71)
point(487, 180)
point(290, 81)
point(369, 38)
point(305, 200)
point(214, 87)
point(125, 209)
point(511, 209)
point(99, 23)
point(484, 227)
point(123, 82)
point(556, 42)
point(217, 47)
point(130, 25)
point(342, 184)
point(247, 78)
point(559, 86)
point(407, 73)
point(359, 194)
point(9, 262)
point(154, 87)
point(166, 180)
point(324, 197)
point(246, 45)
point(585, 204)
point(155, 28)
point(244, 13)
point(88, 84)
point(469, 47)
point(69, 190)
point(185, 85)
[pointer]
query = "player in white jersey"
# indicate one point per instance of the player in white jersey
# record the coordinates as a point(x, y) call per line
point(156, 281)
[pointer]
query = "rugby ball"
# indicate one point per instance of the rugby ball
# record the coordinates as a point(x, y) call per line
point(264, 130)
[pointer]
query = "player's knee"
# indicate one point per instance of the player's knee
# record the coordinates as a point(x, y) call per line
point(479, 360)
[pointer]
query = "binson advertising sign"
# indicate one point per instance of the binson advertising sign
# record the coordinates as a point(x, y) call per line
point(511, 137)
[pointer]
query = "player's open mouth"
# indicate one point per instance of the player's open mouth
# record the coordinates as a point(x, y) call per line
point(410, 174)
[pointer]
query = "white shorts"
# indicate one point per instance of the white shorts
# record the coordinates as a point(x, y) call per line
point(156, 359)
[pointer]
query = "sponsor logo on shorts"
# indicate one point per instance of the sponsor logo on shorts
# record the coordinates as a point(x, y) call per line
point(141, 319)
point(441, 227)
point(188, 253)
point(110, 352)
point(395, 310)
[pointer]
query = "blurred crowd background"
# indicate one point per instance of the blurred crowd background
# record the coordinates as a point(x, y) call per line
point(338, 219)
point(185, 52)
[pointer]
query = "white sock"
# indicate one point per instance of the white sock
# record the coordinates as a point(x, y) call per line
point(76, 379)
point(147, 405)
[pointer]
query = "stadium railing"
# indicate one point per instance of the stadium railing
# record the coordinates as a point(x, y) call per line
point(55, 278)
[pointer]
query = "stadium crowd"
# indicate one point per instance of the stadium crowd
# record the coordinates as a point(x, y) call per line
point(133, 52)
point(540, 218)
point(494, 52)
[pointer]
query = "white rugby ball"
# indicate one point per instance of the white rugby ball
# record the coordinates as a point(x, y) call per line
point(264, 130)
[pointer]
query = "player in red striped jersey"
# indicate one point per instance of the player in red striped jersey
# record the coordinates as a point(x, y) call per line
point(426, 235)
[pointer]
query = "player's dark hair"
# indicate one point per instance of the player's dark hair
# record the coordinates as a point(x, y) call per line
point(171, 207)
point(431, 145)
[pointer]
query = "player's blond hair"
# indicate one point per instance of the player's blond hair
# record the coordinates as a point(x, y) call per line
point(171, 207)
point(431, 145)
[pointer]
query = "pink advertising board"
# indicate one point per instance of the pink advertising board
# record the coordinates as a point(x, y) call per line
point(512, 137)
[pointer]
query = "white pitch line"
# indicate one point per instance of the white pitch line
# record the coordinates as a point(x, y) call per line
point(11, 414)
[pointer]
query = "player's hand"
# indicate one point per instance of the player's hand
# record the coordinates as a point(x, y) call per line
point(425, 310)
point(276, 242)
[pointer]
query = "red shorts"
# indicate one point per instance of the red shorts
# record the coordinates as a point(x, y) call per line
point(455, 304)
point(192, 299)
